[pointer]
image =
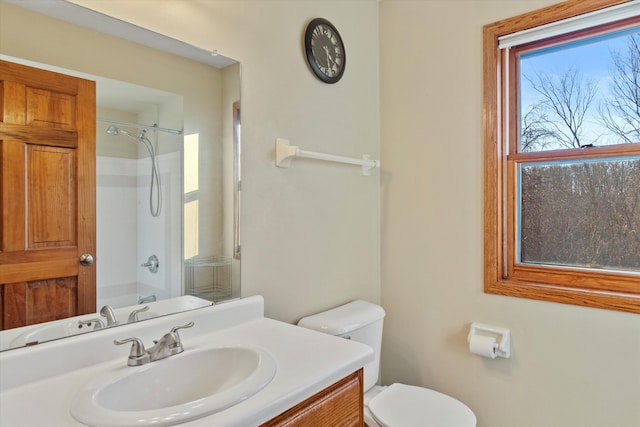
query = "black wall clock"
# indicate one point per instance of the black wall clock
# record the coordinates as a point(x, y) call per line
point(325, 50)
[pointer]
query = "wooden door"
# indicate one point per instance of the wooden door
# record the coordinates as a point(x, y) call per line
point(47, 195)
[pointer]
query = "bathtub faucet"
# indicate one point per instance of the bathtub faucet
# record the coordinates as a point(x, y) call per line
point(147, 299)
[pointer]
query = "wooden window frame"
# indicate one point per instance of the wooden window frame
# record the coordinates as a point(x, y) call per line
point(601, 289)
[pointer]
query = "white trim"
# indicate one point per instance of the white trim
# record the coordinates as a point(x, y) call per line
point(580, 22)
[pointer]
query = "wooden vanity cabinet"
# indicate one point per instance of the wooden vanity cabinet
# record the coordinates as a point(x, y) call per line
point(340, 404)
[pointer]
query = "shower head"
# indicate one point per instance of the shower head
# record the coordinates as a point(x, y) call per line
point(114, 130)
point(155, 174)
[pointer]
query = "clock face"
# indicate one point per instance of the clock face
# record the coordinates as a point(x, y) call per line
point(325, 50)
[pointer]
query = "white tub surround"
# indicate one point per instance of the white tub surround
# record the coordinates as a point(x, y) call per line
point(38, 383)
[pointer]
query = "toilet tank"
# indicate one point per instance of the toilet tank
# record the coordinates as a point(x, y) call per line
point(359, 321)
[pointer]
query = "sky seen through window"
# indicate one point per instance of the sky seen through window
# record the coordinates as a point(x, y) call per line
point(592, 62)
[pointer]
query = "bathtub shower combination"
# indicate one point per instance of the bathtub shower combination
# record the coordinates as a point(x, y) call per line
point(139, 207)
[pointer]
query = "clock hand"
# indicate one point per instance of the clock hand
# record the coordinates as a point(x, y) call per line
point(330, 60)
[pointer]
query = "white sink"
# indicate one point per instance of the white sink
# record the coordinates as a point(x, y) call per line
point(181, 388)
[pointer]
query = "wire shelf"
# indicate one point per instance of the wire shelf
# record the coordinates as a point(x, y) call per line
point(208, 277)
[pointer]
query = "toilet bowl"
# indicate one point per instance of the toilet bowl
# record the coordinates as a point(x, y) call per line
point(397, 405)
point(401, 405)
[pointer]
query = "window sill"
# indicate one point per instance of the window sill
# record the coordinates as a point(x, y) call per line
point(565, 295)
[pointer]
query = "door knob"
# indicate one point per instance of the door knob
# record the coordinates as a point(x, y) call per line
point(86, 259)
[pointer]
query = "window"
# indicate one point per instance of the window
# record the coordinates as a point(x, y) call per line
point(561, 118)
point(191, 161)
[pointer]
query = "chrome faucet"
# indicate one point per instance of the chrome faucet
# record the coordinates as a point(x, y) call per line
point(166, 346)
point(107, 312)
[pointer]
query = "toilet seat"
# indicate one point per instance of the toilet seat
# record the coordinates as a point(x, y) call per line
point(410, 406)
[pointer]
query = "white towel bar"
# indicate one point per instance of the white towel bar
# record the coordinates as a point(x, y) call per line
point(285, 152)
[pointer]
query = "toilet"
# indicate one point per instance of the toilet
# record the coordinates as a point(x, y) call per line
point(397, 405)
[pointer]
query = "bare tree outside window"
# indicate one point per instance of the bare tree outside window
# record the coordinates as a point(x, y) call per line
point(585, 212)
point(620, 111)
point(564, 103)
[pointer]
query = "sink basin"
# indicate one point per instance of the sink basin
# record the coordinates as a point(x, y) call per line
point(193, 384)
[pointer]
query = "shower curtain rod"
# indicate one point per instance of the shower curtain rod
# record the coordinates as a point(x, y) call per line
point(139, 126)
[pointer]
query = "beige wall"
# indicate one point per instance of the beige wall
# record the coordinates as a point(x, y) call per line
point(571, 366)
point(310, 233)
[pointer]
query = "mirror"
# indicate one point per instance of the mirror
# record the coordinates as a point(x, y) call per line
point(172, 112)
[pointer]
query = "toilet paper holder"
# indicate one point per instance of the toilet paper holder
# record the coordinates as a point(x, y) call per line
point(502, 336)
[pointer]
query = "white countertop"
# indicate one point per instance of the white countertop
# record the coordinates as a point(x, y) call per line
point(37, 384)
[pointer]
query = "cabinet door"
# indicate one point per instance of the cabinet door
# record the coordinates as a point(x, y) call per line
point(341, 404)
point(47, 195)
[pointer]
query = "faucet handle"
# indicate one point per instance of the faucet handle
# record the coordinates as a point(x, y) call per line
point(175, 336)
point(133, 317)
point(175, 328)
point(137, 348)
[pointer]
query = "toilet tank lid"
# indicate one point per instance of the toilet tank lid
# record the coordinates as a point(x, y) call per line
point(344, 319)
